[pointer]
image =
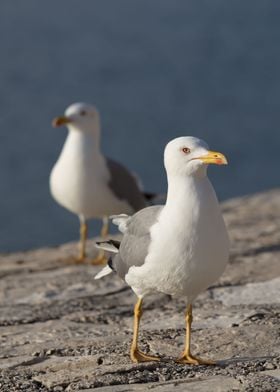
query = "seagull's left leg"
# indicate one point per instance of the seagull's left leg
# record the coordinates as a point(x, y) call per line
point(186, 356)
point(101, 259)
point(83, 239)
point(135, 354)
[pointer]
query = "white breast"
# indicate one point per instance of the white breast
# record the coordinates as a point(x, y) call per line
point(189, 247)
point(79, 179)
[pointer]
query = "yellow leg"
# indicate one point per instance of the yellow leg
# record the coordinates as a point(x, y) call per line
point(135, 354)
point(101, 259)
point(105, 227)
point(83, 240)
point(186, 356)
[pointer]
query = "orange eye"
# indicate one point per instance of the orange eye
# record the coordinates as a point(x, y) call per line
point(186, 150)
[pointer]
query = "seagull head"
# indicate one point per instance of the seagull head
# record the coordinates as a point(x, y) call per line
point(189, 155)
point(79, 116)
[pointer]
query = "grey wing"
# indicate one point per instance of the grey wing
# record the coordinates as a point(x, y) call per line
point(136, 240)
point(123, 184)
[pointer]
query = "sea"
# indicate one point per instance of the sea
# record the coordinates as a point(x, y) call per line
point(155, 69)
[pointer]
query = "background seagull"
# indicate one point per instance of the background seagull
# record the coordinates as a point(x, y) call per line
point(180, 248)
point(87, 183)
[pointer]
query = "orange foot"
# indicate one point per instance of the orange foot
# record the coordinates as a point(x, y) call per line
point(191, 360)
point(138, 356)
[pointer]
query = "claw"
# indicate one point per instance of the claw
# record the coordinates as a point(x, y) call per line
point(191, 360)
point(138, 356)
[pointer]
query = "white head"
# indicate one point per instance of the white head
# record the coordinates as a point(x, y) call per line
point(190, 156)
point(81, 117)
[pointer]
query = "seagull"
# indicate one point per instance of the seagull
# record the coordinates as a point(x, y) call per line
point(180, 248)
point(87, 183)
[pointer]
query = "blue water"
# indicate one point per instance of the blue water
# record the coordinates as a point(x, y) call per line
point(156, 70)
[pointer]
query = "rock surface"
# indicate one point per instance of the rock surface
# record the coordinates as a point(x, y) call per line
point(63, 331)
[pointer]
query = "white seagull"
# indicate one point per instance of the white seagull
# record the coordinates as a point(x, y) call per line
point(87, 183)
point(180, 248)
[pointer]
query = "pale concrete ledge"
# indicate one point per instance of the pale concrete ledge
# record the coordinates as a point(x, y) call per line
point(62, 331)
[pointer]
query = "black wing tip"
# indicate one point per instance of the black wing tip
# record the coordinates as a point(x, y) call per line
point(102, 242)
point(111, 242)
point(110, 264)
point(115, 243)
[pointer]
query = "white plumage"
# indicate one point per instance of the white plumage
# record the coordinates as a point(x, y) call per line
point(189, 244)
point(83, 180)
point(181, 248)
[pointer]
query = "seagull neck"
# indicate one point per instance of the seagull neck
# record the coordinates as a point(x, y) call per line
point(85, 139)
point(181, 189)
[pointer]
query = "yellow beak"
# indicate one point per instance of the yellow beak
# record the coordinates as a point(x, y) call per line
point(214, 157)
point(59, 121)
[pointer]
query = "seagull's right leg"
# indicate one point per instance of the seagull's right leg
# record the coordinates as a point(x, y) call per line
point(135, 354)
point(83, 239)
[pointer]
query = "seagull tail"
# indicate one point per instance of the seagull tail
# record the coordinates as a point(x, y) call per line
point(105, 271)
point(110, 246)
